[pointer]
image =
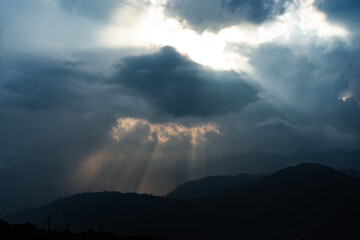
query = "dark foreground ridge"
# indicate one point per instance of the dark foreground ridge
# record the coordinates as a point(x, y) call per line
point(308, 201)
point(28, 231)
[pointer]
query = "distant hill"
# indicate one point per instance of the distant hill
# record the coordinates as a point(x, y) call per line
point(285, 205)
point(351, 172)
point(258, 162)
point(300, 202)
point(338, 159)
point(213, 185)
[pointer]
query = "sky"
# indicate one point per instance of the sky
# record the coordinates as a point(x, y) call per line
point(140, 95)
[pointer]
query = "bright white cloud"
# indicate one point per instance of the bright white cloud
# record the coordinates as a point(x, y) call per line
point(314, 22)
point(154, 29)
point(301, 18)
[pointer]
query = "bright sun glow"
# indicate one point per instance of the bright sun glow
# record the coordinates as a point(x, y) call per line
point(207, 48)
point(314, 21)
point(345, 95)
point(154, 29)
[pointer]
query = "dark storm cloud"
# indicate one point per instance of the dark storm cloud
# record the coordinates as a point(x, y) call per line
point(216, 14)
point(175, 85)
point(46, 84)
point(345, 11)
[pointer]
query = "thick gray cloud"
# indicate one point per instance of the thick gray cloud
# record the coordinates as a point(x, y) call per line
point(175, 85)
point(216, 14)
point(46, 84)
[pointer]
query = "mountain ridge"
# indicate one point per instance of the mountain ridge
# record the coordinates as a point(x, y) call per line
point(260, 162)
point(284, 205)
point(212, 185)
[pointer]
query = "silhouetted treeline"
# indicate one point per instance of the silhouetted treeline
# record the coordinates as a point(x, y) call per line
point(28, 231)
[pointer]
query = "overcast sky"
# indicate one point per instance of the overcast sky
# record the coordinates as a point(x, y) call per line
point(138, 95)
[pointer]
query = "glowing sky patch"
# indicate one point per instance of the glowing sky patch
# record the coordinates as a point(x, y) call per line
point(313, 21)
point(346, 95)
point(350, 92)
point(301, 17)
point(154, 29)
point(163, 132)
point(89, 168)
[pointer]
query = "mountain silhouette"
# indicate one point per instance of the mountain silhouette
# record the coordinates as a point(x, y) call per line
point(283, 205)
point(259, 162)
point(213, 185)
point(351, 172)
point(299, 202)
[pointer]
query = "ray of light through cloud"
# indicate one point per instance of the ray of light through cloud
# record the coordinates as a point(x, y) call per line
point(154, 29)
point(141, 149)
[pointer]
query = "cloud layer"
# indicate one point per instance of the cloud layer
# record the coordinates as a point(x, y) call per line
point(218, 14)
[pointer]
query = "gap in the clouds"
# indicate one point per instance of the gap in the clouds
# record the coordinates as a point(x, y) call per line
point(153, 28)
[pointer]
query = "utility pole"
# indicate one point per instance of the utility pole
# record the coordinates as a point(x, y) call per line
point(68, 227)
point(101, 227)
point(48, 223)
